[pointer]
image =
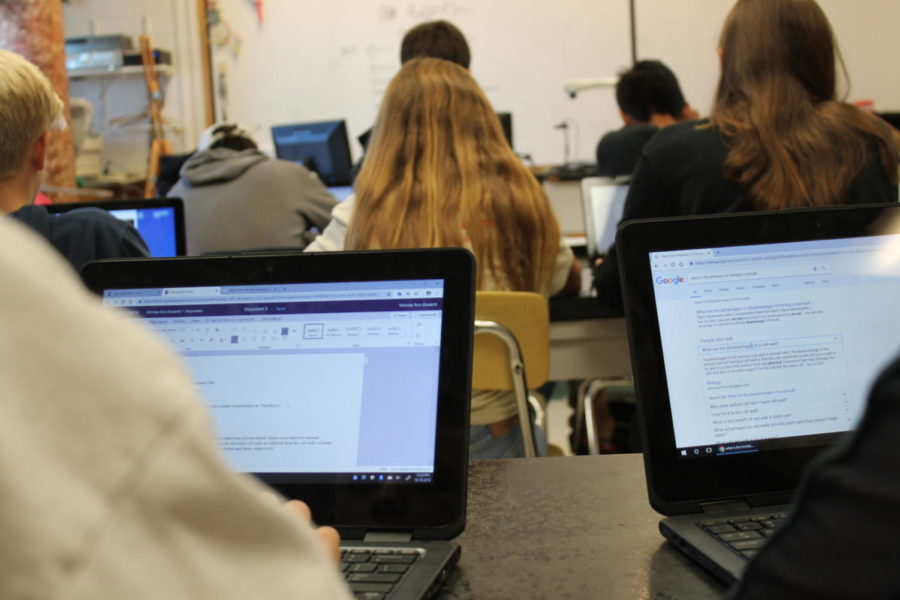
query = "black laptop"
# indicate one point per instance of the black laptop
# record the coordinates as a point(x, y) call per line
point(754, 340)
point(160, 221)
point(342, 379)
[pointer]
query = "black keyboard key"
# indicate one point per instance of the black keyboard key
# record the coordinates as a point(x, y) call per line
point(748, 544)
point(373, 577)
point(405, 559)
point(389, 568)
point(726, 528)
point(767, 532)
point(740, 535)
point(748, 526)
point(738, 520)
point(362, 586)
point(357, 558)
point(366, 567)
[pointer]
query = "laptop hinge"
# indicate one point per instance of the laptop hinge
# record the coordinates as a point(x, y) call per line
point(388, 536)
point(724, 506)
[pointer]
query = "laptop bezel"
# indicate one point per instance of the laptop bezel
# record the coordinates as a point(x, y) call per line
point(428, 511)
point(177, 204)
point(681, 486)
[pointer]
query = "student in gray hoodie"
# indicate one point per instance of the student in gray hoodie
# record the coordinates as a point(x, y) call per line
point(237, 198)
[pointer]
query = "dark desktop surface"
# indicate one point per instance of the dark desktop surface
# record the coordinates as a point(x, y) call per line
point(568, 527)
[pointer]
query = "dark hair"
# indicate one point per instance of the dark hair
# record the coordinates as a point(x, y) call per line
point(648, 88)
point(792, 142)
point(436, 39)
point(233, 138)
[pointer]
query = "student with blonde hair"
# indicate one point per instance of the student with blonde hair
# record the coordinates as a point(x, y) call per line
point(29, 111)
point(778, 136)
point(439, 172)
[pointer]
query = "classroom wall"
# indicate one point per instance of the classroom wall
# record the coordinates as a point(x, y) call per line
point(314, 61)
point(172, 25)
point(685, 35)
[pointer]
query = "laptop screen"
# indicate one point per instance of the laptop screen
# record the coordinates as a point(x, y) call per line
point(160, 222)
point(773, 345)
point(156, 226)
point(322, 381)
point(607, 205)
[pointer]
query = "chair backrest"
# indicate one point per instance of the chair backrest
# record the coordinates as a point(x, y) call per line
point(526, 316)
point(602, 200)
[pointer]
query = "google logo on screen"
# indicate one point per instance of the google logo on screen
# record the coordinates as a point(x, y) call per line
point(670, 280)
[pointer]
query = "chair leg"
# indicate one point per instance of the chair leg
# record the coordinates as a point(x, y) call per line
point(586, 401)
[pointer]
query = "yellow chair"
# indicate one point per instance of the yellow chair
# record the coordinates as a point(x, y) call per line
point(512, 329)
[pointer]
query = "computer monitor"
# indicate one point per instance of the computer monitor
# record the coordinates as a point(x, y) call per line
point(506, 123)
point(160, 221)
point(321, 147)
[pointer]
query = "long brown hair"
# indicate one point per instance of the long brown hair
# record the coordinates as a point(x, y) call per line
point(439, 172)
point(792, 143)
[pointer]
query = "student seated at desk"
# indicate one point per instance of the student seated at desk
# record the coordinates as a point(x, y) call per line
point(237, 198)
point(30, 111)
point(439, 172)
point(777, 138)
point(435, 39)
point(114, 486)
point(649, 98)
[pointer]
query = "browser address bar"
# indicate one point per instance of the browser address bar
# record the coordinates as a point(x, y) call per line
point(744, 274)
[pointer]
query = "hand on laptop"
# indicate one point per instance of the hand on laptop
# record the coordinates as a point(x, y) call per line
point(329, 536)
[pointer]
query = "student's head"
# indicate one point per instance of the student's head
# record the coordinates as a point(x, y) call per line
point(778, 43)
point(29, 109)
point(226, 135)
point(649, 88)
point(439, 172)
point(435, 39)
point(792, 142)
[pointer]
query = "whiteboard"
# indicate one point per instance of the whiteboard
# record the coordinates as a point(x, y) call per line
point(686, 39)
point(312, 60)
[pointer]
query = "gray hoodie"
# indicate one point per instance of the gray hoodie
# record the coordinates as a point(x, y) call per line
point(243, 200)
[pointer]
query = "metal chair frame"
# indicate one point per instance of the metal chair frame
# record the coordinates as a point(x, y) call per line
point(520, 383)
point(584, 410)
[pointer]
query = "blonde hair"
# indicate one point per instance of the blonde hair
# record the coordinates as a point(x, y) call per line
point(28, 108)
point(439, 172)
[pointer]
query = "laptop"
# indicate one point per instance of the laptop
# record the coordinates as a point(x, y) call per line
point(603, 202)
point(754, 340)
point(160, 221)
point(342, 379)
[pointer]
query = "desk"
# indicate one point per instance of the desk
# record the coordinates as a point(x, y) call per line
point(573, 527)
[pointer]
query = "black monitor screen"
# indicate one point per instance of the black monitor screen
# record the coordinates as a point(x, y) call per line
point(321, 147)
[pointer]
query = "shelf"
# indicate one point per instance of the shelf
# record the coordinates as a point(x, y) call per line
point(112, 71)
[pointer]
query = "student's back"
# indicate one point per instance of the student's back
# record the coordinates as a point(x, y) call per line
point(237, 198)
point(777, 137)
point(439, 172)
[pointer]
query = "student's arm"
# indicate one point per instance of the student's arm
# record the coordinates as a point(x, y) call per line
point(840, 542)
point(332, 238)
point(315, 202)
point(573, 280)
point(566, 272)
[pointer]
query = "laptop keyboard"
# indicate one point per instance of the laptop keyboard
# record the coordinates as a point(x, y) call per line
point(745, 535)
point(373, 572)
